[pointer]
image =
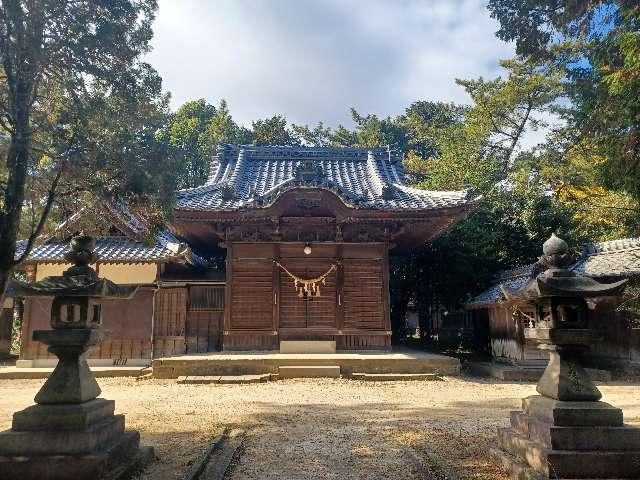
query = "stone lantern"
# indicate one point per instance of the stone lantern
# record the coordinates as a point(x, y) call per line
point(566, 432)
point(70, 433)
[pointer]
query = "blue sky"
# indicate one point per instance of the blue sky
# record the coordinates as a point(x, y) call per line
point(311, 60)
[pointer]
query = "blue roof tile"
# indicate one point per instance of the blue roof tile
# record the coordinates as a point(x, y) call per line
point(365, 178)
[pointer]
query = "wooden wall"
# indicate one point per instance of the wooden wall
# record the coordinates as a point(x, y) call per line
point(620, 344)
point(128, 321)
point(620, 335)
point(264, 306)
point(188, 319)
point(507, 337)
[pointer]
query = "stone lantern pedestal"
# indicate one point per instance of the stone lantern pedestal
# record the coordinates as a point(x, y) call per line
point(566, 432)
point(71, 434)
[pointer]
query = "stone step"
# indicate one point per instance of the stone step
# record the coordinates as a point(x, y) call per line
point(518, 470)
point(572, 414)
point(79, 416)
point(525, 373)
point(382, 377)
point(309, 371)
point(232, 379)
point(223, 379)
point(623, 438)
point(515, 467)
point(308, 346)
point(570, 464)
point(119, 460)
point(61, 442)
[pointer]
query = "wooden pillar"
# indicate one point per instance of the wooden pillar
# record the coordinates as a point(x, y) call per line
point(25, 326)
point(227, 294)
point(275, 285)
point(339, 289)
point(385, 286)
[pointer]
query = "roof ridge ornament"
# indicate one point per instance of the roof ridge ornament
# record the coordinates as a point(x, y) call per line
point(389, 191)
point(228, 191)
point(309, 171)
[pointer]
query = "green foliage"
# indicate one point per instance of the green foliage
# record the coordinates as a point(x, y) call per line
point(424, 121)
point(193, 133)
point(372, 131)
point(597, 42)
point(273, 131)
point(187, 134)
point(222, 129)
point(76, 125)
point(318, 136)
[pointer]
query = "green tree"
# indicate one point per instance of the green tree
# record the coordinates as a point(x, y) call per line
point(343, 137)
point(372, 131)
point(424, 120)
point(318, 136)
point(476, 147)
point(45, 65)
point(187, 134)
point(273, 131)
point(222, 129)
point(598, 43)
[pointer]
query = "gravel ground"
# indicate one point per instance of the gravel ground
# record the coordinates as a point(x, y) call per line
point(322, 429)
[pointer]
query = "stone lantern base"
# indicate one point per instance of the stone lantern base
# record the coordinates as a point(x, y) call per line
point(70, 441)
point(569, 440)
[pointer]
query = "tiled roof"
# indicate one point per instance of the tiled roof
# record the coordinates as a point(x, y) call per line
point(615, 258)
point(119, 249)
point(125, 248)
point(512, 279)
point(254, 177)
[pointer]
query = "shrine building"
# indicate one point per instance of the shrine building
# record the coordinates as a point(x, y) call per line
point(280, 243)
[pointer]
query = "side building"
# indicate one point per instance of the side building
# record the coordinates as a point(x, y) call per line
point(177, 308)
point(618, 320)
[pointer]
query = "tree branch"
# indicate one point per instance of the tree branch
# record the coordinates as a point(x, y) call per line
point(51, 195)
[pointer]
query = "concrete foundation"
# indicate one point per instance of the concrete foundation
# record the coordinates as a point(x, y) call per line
point(569, 440)
point(309, 371)
point(524, 373)
point(254, 363)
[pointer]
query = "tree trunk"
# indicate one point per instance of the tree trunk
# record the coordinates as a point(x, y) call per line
point(17, 162)
point(4, 279)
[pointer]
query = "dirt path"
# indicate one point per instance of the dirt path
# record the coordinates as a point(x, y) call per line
point(306, 429)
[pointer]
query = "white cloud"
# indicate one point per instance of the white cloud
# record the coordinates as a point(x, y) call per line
point(312, 60)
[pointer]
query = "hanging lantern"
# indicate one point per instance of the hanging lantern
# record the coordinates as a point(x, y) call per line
point(307, 249)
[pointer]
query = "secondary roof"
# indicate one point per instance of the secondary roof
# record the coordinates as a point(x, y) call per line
point(613, 259)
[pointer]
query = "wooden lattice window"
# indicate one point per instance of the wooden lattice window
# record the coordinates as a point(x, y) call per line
point(206, 297)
